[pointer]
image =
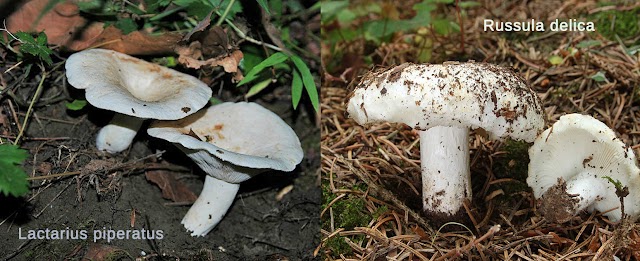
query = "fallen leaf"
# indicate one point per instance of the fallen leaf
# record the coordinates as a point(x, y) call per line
point(201, 26)
point(171, 188)
point(63, 24)
point(96, 165)
point(420, 232)
point(190, 57)
point(65, 27)
point(101, 252)
point(137, 43)
point(5, 124)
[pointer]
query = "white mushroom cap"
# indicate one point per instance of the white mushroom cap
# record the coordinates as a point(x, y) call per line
point(243, 134)
point(128, 85)
point(232, 143)
point(581, 150)
point(470, 95)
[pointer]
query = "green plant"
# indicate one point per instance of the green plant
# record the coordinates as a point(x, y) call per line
point(76, 105)
point(612, 23)
point(13, 179)
point(30, 47)
point(379, 22)
point(301, 77)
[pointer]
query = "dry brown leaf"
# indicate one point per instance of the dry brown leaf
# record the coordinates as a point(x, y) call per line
point(100, 252)
point(171, 188)
point(5, 124)
point(190, 57)
point(137, 43)
point(66, 28)
point(63, 24)
point(96, 165)
point(202, 25)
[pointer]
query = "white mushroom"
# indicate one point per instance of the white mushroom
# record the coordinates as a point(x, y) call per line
point(135, 89)
point(568, 163)
point(444, 101)
point(231, 142)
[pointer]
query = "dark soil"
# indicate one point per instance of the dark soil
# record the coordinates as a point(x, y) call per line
point(257, 226)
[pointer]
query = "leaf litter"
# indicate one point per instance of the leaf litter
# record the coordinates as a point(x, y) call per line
point(384, 158)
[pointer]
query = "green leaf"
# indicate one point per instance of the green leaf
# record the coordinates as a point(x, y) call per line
point(274, 59)
point(330, 9)
point(264, 5)
point(633, 49)
point(76, 105)
point(588, 43)
point(442, 26)
point(467, 4)
point(215, 101)
point(307, 80)
point(255, 89)
point(35, 47)
point(599, 77)
point(296, 89)
point(376, 30)
point(276, 7)
point(616, 182)
point(13, 179)
point(555, 60)
point(126, 25)
point(89, 5)
point(252, 56)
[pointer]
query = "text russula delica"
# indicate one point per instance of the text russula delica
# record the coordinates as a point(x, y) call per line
point(570, 25)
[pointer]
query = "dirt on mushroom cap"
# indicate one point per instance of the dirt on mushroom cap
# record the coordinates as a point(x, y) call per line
point(477, 95)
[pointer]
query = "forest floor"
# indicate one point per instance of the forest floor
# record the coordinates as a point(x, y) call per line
point(274, 216)
point(371, 180)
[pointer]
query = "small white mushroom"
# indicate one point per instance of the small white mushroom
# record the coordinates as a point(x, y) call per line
point(135, 89)
point(231, 142)
point(568, 162)
point(443, 101)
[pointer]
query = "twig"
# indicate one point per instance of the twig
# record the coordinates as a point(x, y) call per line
point(249, 39)
point(120, 166)
point(223, 17)
point(472, 244)
point(33, 101)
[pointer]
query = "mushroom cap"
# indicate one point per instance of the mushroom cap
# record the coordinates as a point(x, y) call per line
point(580, 143)
point(128, 85)
point(244, 134)
point(471, 95)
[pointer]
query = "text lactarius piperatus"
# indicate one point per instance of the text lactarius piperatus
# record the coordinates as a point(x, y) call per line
point(443, 101)
point(231, 142)
point(135, 90)
point(568, 163)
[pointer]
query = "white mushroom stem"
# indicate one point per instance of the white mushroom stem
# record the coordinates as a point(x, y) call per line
point(118, 134)
point(444, 153)
point(587, 189)
point(211, 206)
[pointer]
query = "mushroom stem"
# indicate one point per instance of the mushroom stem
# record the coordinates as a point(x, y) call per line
point(212, 204)
point(586, 188)
point(564, 200)
point(118, 134)
point(444, 153)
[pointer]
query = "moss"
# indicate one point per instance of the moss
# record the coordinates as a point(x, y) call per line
point(338, 246)
point(514, 164)
point(348, 212)
point(610, 23)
